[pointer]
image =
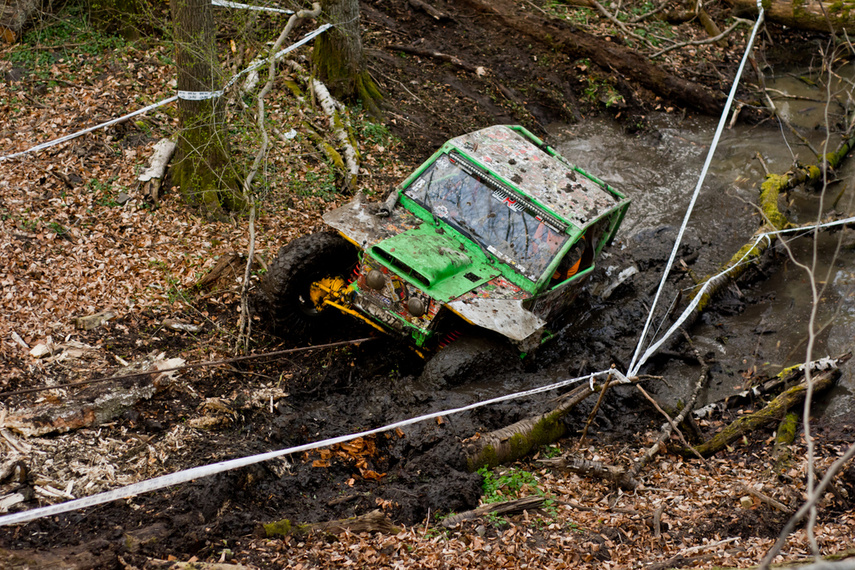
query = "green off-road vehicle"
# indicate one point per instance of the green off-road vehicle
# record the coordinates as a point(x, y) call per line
point(493, 235)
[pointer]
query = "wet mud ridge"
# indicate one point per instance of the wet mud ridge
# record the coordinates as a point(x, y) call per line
point(412, 471)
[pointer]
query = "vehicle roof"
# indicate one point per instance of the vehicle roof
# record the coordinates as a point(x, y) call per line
point(512, 156)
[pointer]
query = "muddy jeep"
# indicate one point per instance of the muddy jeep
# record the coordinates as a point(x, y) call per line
point(495, 232)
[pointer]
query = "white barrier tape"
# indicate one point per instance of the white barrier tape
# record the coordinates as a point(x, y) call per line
point(227, 4)
point(88, 130)
point(651, 350)
point(307, 38)
point(199, 95)
point(190, 95)
point(208, 470)
point(633, 366)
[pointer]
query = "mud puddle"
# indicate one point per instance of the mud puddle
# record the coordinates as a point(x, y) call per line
point(760, 328)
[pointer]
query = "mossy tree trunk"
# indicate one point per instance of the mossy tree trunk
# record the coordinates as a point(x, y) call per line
point(338, 56)
point(202, 168)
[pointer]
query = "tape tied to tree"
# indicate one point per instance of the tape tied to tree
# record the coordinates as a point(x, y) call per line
point(199, 95)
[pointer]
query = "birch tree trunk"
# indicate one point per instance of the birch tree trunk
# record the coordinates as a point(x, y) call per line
point(338, 55)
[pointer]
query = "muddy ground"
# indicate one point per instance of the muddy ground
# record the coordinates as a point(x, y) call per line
point(418, 471)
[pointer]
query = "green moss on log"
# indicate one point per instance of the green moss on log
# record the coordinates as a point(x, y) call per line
point(787, 430)
point(769, 192)
point(277, 528)
point(773, 412)
point(295, 89)
point(518, 440)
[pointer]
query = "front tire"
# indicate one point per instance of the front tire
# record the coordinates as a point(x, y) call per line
point(287, 285)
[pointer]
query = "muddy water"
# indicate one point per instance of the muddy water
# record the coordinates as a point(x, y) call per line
point(769, 328)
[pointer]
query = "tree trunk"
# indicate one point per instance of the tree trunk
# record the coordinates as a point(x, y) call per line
point(814, 16)
point(14, 14)
point(202, 168)
point(338, 55)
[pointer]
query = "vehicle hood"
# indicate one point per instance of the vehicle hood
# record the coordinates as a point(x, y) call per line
point(434, 261)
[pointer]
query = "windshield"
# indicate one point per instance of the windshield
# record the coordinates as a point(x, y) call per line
point(453, 190)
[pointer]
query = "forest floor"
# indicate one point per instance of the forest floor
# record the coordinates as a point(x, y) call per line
point(78, 239)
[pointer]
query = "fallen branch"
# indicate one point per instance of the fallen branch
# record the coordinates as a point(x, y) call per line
point(670, 426)
point(766, 499)
point(503, 508)
point(430, 10)
point(479, 71)
point(772, 412)
point(595, 469)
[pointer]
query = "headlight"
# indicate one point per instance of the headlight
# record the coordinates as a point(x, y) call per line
point(375, 279)
point(416, 306)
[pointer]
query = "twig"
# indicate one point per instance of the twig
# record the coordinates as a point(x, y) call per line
point(766, 499)
point(245, 327)
point(618, 23)
point(774, 109)
point(760, 158)
point(672, 425)
point(724, 34)
point(657, 521)
point(596, 408)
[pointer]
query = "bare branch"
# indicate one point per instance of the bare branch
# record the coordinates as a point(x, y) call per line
point(724, 34)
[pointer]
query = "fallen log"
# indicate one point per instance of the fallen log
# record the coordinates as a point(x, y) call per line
point(93, 406)
point(152, 179)
point(773, 219)
point(560, 36)
point(375, 521)
point(818, 16)
point(517, 440)
point(502, 508)
point(774, 411)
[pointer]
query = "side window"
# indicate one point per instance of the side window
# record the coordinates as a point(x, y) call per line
point(572, 263)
